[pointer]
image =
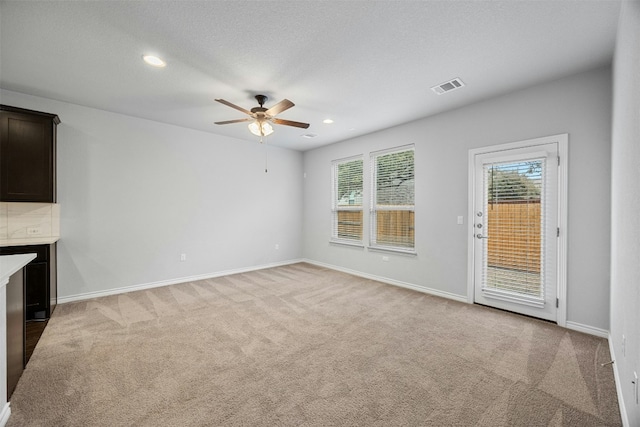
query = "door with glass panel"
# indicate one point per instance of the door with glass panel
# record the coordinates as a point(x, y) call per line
point(515, 226)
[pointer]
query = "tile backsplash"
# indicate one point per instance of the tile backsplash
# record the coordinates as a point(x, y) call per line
point(29, 220)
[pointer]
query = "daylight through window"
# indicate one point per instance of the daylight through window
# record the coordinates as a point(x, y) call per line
point(347, 200)
point(392, 201)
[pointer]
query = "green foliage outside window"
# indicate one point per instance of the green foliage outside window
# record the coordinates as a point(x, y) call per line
point(350, 183)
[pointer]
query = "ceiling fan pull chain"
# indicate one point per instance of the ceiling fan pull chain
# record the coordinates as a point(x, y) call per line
point(266, 158)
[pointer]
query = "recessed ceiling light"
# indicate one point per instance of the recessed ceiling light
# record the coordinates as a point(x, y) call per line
point(327, 121)
point(154, 61)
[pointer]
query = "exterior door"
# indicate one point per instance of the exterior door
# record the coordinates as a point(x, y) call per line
point(515, 229)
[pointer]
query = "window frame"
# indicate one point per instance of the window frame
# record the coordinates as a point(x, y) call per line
point(374, 208)
point(336, 207)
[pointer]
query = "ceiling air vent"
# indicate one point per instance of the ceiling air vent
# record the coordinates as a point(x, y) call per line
point(448, 86)
point(309, 135)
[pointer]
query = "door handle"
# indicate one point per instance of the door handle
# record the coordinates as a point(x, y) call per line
point(480, 236)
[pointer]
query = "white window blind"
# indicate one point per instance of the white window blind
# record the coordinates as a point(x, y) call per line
point(514, 206)
point(347, 200)
point(392, 200)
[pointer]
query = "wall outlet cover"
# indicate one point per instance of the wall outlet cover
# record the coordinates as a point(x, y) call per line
point(34, 231)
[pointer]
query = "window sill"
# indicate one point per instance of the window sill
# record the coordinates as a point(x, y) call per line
point(401, 251)
point(347, 243)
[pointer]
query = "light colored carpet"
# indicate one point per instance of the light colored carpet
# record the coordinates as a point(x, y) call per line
point(301, 345)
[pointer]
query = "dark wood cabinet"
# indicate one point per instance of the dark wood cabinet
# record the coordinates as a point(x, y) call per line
point(36, 287)
point(27, 155)
point(15, 330)
point(40, 281)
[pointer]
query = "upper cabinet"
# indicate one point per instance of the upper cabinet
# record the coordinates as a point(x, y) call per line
point(27, 155)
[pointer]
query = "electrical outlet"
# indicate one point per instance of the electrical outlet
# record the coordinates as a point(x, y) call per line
point(460, 219)
point(183, 257)
point(33, 231)
point(277, 246)
point(635, 386)
point(385, 258)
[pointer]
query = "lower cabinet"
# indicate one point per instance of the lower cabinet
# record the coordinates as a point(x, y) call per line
point(15, 330)
point(31, 295)
point(40, 287)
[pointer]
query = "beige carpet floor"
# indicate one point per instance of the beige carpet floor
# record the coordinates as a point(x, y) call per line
point(301, 345)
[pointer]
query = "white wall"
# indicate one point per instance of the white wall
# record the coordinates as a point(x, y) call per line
point(625, 207)
point(135, 194)
point(579, 105)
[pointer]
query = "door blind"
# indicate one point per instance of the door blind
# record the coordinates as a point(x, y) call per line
point(514, 208)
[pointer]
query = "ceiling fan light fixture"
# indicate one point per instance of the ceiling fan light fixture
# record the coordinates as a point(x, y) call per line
point(262, 118)
point(260, 128)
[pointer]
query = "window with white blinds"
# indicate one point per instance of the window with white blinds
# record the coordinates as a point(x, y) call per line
point(514, 206)
point(347, 200)
point(392, 199)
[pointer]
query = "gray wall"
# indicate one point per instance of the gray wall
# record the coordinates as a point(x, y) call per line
point(579, 105)
point(134, 194)
point(625, 207)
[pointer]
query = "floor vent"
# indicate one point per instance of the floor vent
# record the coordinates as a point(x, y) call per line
point(448, 86)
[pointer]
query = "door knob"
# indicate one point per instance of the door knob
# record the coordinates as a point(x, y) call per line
point(480, 236)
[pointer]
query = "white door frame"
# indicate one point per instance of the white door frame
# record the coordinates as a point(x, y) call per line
point(563, 150)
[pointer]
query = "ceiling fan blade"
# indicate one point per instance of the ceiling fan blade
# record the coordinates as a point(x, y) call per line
point(290, 123)
point(226, 122)
point(228, 104)
point(285, 104)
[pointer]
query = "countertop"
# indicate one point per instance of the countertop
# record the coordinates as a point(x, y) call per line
point(32, 241)
point(9, 264)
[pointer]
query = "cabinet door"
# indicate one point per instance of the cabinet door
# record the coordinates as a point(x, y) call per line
point(15, 330)
point(26, 158)
point(36, 289)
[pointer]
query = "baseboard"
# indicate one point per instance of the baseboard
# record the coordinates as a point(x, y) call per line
point(602, 333)
point(423, 289)
point(616, 376)
point(143, 286)
point(5, 414)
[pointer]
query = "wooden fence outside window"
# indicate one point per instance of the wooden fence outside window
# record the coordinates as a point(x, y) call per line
point(514, 235)
point(394, 228)
point(514, 230)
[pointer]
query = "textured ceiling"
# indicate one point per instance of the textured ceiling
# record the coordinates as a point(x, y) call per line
point(367, 65)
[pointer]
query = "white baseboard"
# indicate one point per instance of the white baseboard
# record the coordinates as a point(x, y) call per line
point(616, 376)
point(143, 286)
point(5, 414)
point(602, 333)
point(423, 289)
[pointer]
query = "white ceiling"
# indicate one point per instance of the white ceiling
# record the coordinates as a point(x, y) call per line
point(367, 65)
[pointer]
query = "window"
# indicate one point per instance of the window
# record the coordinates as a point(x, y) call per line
point(392, 199)
point(347, 200)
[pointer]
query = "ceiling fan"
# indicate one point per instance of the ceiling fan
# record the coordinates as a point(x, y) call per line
point(262, 117)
